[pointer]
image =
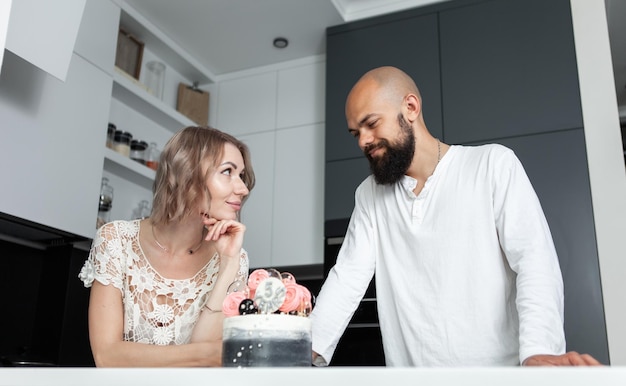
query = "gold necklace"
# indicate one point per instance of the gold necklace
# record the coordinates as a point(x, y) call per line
point(190, 251)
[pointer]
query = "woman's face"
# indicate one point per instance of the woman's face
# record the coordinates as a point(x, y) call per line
point(226, 185)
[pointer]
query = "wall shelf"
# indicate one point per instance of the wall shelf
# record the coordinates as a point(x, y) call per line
point(128, 169)
point(140, 100)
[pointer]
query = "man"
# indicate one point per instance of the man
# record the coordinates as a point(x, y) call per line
point(466, 269)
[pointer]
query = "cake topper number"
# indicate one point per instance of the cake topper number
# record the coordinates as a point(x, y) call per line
point(269, 295)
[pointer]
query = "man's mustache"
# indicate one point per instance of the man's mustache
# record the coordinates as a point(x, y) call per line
point(373, 146)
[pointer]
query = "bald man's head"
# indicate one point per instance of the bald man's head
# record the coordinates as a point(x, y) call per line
point(390, 83)
point(378, 90)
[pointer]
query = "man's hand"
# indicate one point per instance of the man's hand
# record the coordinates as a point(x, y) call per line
point(571, 358)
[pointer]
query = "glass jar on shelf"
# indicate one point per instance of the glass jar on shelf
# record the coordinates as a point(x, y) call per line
point(155, 78)
point(138, 151)
point(152, 156)
point(142, 211)
point(121, 142)
point(105, 203)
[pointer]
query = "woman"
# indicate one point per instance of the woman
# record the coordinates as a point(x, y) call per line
point(157, 284)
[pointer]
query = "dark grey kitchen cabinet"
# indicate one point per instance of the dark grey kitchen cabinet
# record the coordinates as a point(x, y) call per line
point(508, 68)
point(409, 43)
point(556, 164)
point(342, 178)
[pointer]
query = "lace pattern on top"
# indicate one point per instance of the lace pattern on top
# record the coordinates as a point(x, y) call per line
point(157, 310)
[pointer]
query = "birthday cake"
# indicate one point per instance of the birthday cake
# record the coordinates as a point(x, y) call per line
point(267, 322)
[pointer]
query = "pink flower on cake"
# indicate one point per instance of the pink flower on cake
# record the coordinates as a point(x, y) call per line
point(230, 306)
point(256, 277)
point(294, 295)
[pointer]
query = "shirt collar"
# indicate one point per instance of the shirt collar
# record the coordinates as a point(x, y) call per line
point(408, 183)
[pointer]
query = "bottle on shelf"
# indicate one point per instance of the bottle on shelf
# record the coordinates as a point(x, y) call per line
point(105, 203)
point(152, 156)
point(111, 129)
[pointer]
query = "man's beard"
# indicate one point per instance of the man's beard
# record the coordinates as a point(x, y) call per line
point(389, 167)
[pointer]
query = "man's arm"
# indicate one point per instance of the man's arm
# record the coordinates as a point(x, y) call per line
point(571, 358)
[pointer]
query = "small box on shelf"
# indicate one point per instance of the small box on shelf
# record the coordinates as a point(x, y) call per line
point(193, 103)
point(129, 53)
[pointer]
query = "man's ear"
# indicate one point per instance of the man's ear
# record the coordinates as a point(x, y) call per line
point(412, 106)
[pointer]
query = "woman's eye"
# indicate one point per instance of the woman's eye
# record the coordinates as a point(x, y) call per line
point(227, 172)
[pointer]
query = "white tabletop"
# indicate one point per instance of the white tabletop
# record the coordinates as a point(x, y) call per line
point(361, 376)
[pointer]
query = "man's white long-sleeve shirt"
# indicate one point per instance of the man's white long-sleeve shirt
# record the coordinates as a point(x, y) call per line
point(466, 272)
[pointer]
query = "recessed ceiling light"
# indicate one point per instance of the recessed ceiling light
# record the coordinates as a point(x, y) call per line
point(281, 42)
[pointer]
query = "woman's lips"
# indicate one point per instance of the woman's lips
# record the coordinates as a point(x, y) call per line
point(235, 205)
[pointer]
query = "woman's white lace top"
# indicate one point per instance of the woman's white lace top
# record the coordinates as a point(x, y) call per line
point(157, 310)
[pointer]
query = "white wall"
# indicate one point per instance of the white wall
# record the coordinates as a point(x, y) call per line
point(279, 112)
point(606, 163)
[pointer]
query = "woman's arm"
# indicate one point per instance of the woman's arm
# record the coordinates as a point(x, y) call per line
point(209, 325)
point(106, 321)
point(228, 238)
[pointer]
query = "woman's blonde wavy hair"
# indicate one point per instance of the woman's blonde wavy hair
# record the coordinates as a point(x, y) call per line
point(180, 182)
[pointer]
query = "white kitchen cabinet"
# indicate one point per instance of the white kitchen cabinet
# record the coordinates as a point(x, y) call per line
point(44, 32)
point(52, 149)
point(298, 199)
point(97, 37)
point(256, 213)
point(285, 133)
point(258, 114)
point(301, 95)
point(57, 127)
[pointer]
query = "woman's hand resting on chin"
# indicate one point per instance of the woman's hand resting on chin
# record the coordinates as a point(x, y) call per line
point(227, 235)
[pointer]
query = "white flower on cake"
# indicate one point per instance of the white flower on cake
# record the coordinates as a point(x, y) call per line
point(266, 292)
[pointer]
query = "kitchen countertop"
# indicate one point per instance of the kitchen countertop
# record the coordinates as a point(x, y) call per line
point(362, 376)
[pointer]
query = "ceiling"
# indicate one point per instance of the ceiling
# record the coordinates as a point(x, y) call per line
point(234, 35)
